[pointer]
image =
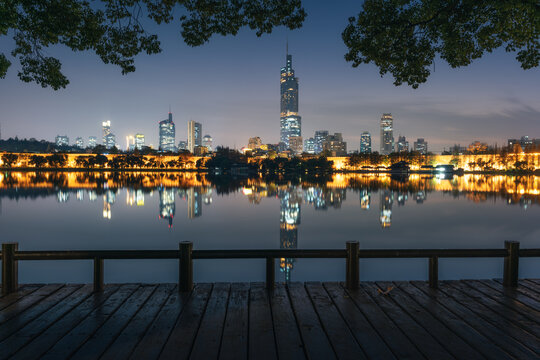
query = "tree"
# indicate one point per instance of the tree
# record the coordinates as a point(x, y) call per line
point(402, 37)
point(114, 29)
point(9, 159)
point(38, 161)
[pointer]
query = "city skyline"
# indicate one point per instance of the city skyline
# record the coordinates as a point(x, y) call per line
point(490, 100)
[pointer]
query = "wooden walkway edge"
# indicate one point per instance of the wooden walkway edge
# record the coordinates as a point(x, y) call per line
point(468, 319)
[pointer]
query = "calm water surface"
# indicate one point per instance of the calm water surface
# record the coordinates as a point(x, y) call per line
point(69, 211)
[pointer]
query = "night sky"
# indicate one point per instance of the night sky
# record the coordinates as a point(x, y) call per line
point(231, 86)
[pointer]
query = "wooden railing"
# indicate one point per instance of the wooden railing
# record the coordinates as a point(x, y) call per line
point(511, 253)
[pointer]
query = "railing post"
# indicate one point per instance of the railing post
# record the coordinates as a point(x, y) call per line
point(434, 272)
point(352, 265)
point(10, 268)
point(98, 274)
point(186, 266)
point(270, 273)
point(511, 264)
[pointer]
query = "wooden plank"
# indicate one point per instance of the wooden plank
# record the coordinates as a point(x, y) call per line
point(530, 285)
point(94, 346)
point(399, 344)
point(19, 321)
point(451, 342)
point(288, 340)
point(261, 329)
point(423, 340)
point(39, 345)
point(484, 312)
point(317, 344)
point(180, 342)
point(9, 299)
point(454, 323)
point(208, 340)
point(500, 297)
point(78, 335)
point(157, 334)
point(364, 332)
point(31, 330)
point(518, 294)
point(495, 335)
point(27, 302)
point(234, 343)
point(128, 339)
point(506, 312)
point(343, 342)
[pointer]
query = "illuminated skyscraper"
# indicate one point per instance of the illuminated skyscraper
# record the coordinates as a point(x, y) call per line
point(106, 128)
point(421, 146)
point(92, 142)
point(194, 135)
point(320, 137)
point(290, 122)
point(387, 134)
point(309, 145)
point(296, 144)
point(61, 140)
point(79, 142)
point(365, 143)
point(139, 141)
point(207, 142)
point(167, 134)
point(402, 145)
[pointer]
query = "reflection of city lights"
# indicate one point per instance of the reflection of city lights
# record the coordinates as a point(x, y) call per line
point(247, 191)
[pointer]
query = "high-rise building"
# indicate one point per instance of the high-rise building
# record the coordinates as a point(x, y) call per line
point(402, 144)
point(309, 145)
point(61, 140)
point(194, 135)
point(106, 129)
point(365, 143)
point(335, 145)
point(296, 144)
point(79, 142)
point(421, 146)
point(254, 143)
point(92, 142)
point(207, 142)
point(167, 133)
point(290, 121)
point(139, 141)
point(182, 145)
point(130, 142)
point(387, 134)
point(320, 136)
point(109, 141)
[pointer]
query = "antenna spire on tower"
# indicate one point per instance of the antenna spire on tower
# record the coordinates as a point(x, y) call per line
point(169, 108)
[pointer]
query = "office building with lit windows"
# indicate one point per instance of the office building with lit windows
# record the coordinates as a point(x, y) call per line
point(139, 141)
point(61, 140)
point(194, 135)
point(421, 146)
point(79, 142)
point(387, 134)
point(167, 134)
point(320, 137)
point(309, 145)
point(402, 144)
point(365, 143)
point(290, 121)
point(207, 142)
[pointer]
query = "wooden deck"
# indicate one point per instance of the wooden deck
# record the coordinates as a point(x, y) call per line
point(383, 320)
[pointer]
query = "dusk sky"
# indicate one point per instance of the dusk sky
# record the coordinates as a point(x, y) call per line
point(231, 86)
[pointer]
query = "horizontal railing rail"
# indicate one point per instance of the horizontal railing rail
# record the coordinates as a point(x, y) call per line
point(10, 255)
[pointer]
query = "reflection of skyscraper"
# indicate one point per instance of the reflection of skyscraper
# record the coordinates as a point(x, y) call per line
point(194, 198)
point(290, 202)
point(108, 199)
point(290, 122)
point(365, 199)
point(167, 205)
point(387, 198)
point(62, 196)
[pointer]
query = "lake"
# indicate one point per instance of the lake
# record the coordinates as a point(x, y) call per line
point(153, 210)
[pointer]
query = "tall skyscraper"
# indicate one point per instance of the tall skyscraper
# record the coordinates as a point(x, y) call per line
point(290, 121)
point(106, 127)
point(194, 135)
point(320, 137)
point(61, 140)
point(207, 142)
point(402, 144)
point(387, 134)
point(167, 133)
point(309, 145)
point(139, 141)
point(421, 146)
point(365, 143)
point(92, 142)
